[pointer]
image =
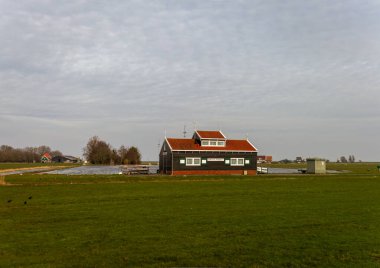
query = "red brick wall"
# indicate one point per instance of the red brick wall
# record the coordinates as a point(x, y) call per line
point(212, 172)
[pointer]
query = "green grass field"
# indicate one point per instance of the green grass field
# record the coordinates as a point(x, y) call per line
point(358, 168)
point(161, 221)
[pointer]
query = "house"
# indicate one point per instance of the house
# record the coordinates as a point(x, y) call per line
point(46, 158)
point(207, 152)
point(65, 159)
point(264, 159)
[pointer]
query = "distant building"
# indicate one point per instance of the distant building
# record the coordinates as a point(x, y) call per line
point(207, 152)
point(264, 159)
point(46, 158)
point(299, 159)
point(65, 159)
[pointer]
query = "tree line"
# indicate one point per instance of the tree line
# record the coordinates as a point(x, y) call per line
point(98, 151)
point(25, 155)
point(343, 159)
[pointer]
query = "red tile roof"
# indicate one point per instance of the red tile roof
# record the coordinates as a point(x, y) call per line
point(47, 155)
point(192, 145)
point(210, 134)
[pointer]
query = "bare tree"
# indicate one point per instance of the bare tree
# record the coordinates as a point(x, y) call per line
point(123, 154)
point(115, 157)
point(55, 153)
point(133, 156)
point(98, 151)
point(28, 154)
point(43, 149)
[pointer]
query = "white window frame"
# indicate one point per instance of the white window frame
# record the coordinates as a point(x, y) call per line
point(205, 143)
point(182, 161)
point(237, 160)
point(213, 143)
point(190, 161)
point(221, 143)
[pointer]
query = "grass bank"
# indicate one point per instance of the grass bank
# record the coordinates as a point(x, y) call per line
point(15, 166)
point(159, 221)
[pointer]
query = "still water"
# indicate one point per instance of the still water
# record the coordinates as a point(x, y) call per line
point(93, 170)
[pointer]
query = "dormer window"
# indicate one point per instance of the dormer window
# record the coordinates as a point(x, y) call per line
point(213, 143)
point(210, 138)
point(205, 143)
point(221, 143)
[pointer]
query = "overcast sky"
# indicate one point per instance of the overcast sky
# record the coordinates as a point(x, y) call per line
point(299, 78)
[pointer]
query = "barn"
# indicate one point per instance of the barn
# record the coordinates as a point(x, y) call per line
point(207, 152)
point(65, 159)
point(46, 158)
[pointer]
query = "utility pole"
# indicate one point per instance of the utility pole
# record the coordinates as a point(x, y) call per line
point(158, 150)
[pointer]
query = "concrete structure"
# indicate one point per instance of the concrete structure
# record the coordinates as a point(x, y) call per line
point(316, 166)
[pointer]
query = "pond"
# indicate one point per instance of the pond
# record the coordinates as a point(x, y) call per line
point(100, 170)
point(282, 171)
point(96, 170)
point(109, 170)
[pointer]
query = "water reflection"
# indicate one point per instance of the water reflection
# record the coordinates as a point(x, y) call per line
point(96, 170)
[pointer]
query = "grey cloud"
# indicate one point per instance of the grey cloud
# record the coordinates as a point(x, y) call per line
point(139, 67)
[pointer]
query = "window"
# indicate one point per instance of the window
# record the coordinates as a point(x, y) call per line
point(237, 161)
point(213, 143)
point(193, 161)
point(246, 161)
point(182, 161)
point(204, 161)
point(227, 161)
point(205, 143)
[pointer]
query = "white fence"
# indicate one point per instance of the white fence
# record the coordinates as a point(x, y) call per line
point(262, 170)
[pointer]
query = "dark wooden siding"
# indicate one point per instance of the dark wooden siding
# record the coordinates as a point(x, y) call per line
point(166, 159)
point(215, 165)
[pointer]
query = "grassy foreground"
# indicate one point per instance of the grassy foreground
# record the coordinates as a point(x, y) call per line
point(263, 221)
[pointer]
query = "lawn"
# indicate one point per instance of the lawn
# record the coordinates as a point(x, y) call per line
point(160, 221)
point(358, 168)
